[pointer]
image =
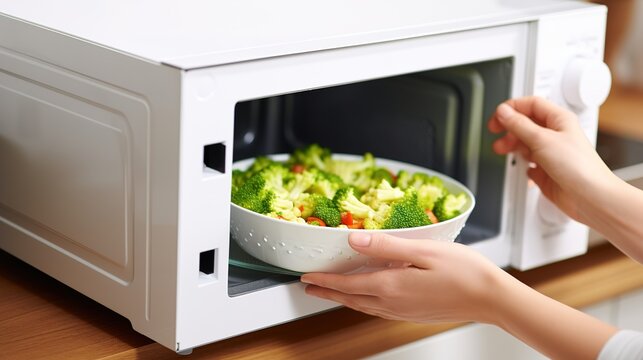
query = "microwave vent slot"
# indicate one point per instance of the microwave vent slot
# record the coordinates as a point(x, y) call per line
point(214, 158)
point(208, 265)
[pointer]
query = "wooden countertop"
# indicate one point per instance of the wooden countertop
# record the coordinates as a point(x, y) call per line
point(40, 318)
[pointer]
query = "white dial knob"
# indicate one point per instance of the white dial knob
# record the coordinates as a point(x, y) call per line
point(549, 213)
point(586, 82)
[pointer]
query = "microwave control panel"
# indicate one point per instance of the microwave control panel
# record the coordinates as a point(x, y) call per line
point(569, 70)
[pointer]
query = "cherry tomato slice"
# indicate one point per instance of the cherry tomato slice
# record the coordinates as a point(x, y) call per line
point(357, 224)
point(347, 218)
point(298, 168)
point(312, 220)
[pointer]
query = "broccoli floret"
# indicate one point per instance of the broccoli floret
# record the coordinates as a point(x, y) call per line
point(260, 163)
point(403, 179)
point(263, 192)
point(386, 193)
point(430, 192)
point(419, 179)
point(326, 183)
point(383, 193)
point(312, 155)
point(306, 204)
point(326, 209)
point(254, 195)
point(363, 180)
point(276, 176)
point(319, 206)
point(281, 207)
point(378, 219)
point(354, 173)
point(430, 188)
point(380, 174)
point(297, 184)
point(346, 201)
point(449, 206)
point(238, 177)
point(406, 213)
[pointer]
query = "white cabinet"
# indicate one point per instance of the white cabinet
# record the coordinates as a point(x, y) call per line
point(481, 342)
point(629, 311)
point(474, 341)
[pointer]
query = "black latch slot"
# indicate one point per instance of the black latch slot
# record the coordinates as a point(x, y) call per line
point(214, 157)
point(207, 262)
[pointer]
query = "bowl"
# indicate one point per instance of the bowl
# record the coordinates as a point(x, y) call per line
point(305, 248)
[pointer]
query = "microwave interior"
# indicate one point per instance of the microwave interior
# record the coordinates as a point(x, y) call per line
point(434, 119)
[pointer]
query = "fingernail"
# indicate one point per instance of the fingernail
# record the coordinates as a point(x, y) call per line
point(304, 279)
point(360, 239)
point(504, 111)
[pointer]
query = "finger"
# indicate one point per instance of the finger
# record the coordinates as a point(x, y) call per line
point(542, 112)
point(521, 126)
point(362, 284)
point(358, 302)
point(385, 246)
point(495, 126)
point(505, 144)
point(540, 178)
point(524, 151)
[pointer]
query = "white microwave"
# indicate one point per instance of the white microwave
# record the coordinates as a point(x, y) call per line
point(120, 122)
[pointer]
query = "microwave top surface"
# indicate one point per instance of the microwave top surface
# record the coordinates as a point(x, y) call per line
point(201, 33)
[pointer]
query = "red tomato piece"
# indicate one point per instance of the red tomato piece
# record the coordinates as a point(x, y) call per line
point(298, 168)
point(357, 224)
point(347, 218)
point(312, 220)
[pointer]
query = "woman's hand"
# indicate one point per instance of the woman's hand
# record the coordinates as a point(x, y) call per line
point(442, 282)
point(568, 170)
point(451, 282)
point(566, 166)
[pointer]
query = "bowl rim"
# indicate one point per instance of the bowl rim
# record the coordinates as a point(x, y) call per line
point(342, 156)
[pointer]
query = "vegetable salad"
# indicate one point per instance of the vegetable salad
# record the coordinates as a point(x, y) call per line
point(314, 188)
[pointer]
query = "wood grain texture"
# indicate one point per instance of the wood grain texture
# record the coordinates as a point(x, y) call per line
point(41, 318)
point(622, 113)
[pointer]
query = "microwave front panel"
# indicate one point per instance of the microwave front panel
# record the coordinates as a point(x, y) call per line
point(565, 49)
point(210, 97)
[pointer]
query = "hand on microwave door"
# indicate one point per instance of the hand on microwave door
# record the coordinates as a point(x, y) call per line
point(446, 282)
point(568, 170)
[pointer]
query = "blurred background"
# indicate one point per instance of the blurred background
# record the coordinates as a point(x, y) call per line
point(620, 140)
point(623, 111)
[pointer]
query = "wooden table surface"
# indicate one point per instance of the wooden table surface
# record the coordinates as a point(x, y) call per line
point(41, 318)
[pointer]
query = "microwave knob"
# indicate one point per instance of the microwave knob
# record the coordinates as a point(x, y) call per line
point(549, 213)
point(586, 82)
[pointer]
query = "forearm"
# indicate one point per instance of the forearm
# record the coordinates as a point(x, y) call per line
point(554, 329)
point(616, 211)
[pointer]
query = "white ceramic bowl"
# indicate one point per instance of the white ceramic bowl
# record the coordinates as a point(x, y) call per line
point(306, 248)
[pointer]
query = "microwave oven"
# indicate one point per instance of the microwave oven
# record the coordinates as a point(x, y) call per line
point(120, 122)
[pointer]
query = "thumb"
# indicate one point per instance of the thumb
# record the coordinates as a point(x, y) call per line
point(518, 124)
point(385, 246)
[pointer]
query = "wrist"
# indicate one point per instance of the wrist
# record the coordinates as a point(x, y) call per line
point(595, 195)
point(501, 294)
